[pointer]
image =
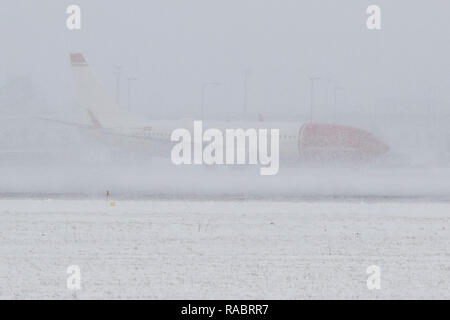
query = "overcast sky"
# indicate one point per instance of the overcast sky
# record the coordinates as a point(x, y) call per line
point(173, 46)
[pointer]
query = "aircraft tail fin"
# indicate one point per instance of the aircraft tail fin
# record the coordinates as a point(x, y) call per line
point(93, 97)
point(95, 122)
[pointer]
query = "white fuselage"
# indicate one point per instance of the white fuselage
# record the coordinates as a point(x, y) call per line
point(155, 138)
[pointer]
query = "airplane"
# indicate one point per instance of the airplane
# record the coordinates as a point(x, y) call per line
point(306, 141)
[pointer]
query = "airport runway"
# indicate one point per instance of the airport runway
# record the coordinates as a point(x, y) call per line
point(247, 249)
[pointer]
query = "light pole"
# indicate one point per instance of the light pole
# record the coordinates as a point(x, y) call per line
point(118, 74)
point(431, 106)
point(336, 89)
point(130, 80)
point(244, 107)
point(204, 86)
point(313, 79)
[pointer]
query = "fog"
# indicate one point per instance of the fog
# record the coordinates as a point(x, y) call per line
point(261, 57)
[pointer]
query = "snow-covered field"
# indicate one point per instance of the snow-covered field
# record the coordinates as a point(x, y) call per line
point(198, 249)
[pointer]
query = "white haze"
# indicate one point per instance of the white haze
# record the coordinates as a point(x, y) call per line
point(395, 84)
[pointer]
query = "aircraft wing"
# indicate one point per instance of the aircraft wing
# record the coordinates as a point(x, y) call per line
point(78, 125)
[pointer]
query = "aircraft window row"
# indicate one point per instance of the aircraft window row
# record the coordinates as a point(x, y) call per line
point(159, 134)
point(163, 134)
point(151, 134)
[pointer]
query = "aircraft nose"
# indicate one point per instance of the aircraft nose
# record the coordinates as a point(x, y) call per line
point(373, 146)
point(338, 142)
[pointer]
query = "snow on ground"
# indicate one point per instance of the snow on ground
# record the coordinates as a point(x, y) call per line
point(193, 249)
